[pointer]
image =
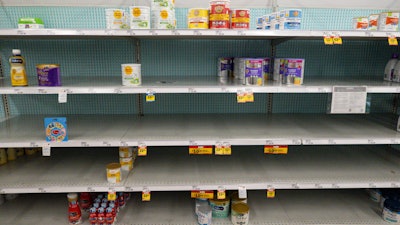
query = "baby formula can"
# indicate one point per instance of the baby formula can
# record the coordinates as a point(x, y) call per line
point(266, 22)
point(240, 214)
point(254, 72)
point(204, 215)
point(139, 17)
point(48, 74)
point(219, 14)
point(391, 211)
point(116, 19)
point(278, 70)
point(239, 67)
point(389, 21)
point(220, 207)
point(375, 194)
point(113, 173)
point(126, 163)
point(198, 18)
point(360, 23)
point(240, 19)
point(290, 19)
point(293, 71)
point(163, 19)
point(373, 22)
point(125, 151)
point(200, 202)
point(225, 67)
point(131, 74)
point(266, 68)
point(274, 18)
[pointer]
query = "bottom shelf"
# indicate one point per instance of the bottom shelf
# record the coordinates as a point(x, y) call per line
point(289, 207)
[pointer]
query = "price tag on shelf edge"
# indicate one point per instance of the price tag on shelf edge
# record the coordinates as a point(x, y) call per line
point(112, 195)
point(249, 96)
point(46, 149)
point(202, 194)
point(337, 40)
point(221, 194)
point(276, 149)
point(393, 40)
point(200, 150)
point(142, 150)
point(242, 192)
point(241, 97)
point(328, 40)
point(271, 193)
point(150, 97)
point(146, 196)
point(62, 96)
point(223, 149)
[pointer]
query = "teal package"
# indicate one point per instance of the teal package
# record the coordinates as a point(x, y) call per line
point(56, 129)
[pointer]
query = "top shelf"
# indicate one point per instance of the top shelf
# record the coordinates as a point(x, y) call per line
point(197, 34)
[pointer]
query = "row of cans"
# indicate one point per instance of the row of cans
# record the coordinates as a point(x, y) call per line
point(386, 21)
point(257, 71)
point(288, 19)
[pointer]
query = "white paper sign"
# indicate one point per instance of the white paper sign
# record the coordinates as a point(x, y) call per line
point(349, 100)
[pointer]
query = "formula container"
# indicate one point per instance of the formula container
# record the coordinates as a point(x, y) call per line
point(375, 194)
point(225, 67)
point(139, 17)
point(220, 207)
point(293, 71)
point(360, 23)
point(163, 19)
point(388, 194)
point(275, 17)
point(389, 68)
point(239, 68)
point(17, 69)
point(113, 173)
point(240, 214)
point(126, 163)
point(389, 21)
point(260, 22)
point(116, 19)
point(11, 154)
point(198, 18)
point(290, 19)
point(131, 74)
point(254, 72)
point(266, 68)
point(219, 14)
point(396, 72)
point(125, 151)
point(48, 74)
point(240, 19)
point(373, 22)
point(277, 69)
point(391, 211)
point(204, 215)
point(198, 203)
point(266, 22)
point(162, 4)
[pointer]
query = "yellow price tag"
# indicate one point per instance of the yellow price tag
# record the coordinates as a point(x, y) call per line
point(275, 149)
point(142, 151)
point(146, 196)
point(249, 97)
point(111, 196)
point(271, 193)
point(337, 40)
point(221, 194)
point(202, 194)
point(150, 98)
point(200, 150)
point(219, 150)
point(228, 150)
point(241, 98)
point(393, 41)
point(328, 40)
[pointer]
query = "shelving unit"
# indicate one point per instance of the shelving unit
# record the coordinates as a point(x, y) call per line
point(330, 156)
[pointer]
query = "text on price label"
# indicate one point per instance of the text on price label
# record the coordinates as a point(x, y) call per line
point(202, 194)
point(146, 196)
point(200, 150)
point(275, 149)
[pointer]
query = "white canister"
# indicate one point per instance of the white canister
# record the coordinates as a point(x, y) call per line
point(204, 215)
point(389, 21)
point(131, 74)
point(113, 173)
point(125, 151)
point(139, 17)
point(164, 24)
point(126, 163)
point(116, 19)
point(240, 213)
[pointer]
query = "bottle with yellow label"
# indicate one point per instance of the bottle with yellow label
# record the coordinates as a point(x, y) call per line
point(17, 69)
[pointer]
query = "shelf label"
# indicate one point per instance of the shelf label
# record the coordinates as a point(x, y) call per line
point(328, 40)
point(337, 40)
point(347, 99)
point(202, 194)
point(241, 97)
point(112, 195)
point(128, 189)
point(271, 193)
point(106, 143)
point(221, 193)
point(142, 150)
point(223, 149)
point(242, 192)
point(46, 149)
point(276, 149)
point(90, 189)
point(62, 96)
point(84, 144)
point(393, 40)
point(200, 150)
point(123, 143)
point(150, 97)
point(249, 96)
point(146, 195)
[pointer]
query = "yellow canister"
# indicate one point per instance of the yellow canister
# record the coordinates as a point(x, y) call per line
point(220, 207)
point(198, 18)
point(126, 163)
point(11, 154)
point(240, 214)
point(114, 173)
point(3, 156)
point(197, 13)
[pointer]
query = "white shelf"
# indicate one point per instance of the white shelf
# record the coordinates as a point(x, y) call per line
point(173, 169)
point(198, 34)
point(203, 129)
point(330, 207)
point(193, 84)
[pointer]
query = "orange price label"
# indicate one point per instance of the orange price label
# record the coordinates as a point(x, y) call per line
point(275, 149)
point(202, 194)
point(200, 150)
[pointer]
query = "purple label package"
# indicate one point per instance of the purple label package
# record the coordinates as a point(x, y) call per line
point(48, 75)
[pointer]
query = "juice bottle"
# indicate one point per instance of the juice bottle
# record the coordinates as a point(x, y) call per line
point(17, 69)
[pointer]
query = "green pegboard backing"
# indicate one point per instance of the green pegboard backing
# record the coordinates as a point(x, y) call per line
point(300, 103)
point(382, 103)
point(204, 103)
point(76, 104)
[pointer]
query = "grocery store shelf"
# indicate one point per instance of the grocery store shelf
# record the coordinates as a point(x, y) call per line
point(197, 34)
point(333, 207)
point(173, 169)
point(204, 129)
point(193, 84)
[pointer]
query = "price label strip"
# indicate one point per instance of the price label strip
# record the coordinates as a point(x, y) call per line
point(200, 150)
point(276, 149)
point(393, 40)
point(202, 194)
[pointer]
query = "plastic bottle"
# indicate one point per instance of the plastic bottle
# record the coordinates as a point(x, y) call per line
point(396, 72)
point(17, 69)
point(389, 68)
point(74, 211)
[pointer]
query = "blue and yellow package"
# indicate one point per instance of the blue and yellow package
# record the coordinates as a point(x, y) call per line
point(56, 129)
